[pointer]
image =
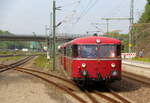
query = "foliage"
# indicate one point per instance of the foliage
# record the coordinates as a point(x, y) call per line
point(146, 15)
point(13, 58)
point(141, 32)
point(122, 37)
point(11, 44)
point(142, 59)
point(5, 33)
point(43, 62)
point(95, 34)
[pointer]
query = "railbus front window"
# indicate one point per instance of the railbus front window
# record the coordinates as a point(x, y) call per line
point(88, 51)
point(109, 51)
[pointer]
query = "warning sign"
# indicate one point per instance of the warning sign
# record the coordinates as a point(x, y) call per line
point(130, 45)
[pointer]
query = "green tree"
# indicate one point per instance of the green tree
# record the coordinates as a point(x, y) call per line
point(146, 15)
point(12, 44)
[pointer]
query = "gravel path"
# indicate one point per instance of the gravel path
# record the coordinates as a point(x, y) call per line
point(20, 88)
point(16, 87)
point(135, 91)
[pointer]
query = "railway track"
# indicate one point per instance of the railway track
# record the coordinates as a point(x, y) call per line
point(93, 96)
point(2, 56)
point(144, 66)
point(136, 77)
point(4, 68)
point(11, 55)
point(62, 87)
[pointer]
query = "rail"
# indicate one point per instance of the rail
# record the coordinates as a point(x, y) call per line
point(136, 77)
point(70, 90)
point(4, 68)
point(143, 68)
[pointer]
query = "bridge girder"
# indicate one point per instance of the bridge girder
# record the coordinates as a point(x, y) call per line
point(32, 38)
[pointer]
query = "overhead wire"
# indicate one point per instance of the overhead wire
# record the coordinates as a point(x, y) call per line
point(72, 13)
point(116, 8)
point(120, 21)
point(68, 18)
point(115, 11)
point(90, 5)
point(70, 4)
point(77, 7)
point(85, 12)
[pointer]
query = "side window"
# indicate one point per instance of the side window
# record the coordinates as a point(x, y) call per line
point(64, 51)
point(69, 51)
point(75, 51)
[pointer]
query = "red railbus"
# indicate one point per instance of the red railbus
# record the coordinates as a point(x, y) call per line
point(92, 59)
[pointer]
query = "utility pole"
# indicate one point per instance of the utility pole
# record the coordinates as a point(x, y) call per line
point(54, 35)
point(107, 23)
point(50, 34)
point(131, 23)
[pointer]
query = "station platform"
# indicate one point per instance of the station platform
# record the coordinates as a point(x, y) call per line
point(136, 63)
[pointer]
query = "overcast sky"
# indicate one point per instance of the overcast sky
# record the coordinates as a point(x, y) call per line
point(78, 16)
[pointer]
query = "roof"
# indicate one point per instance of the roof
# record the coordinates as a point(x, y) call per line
point(92, 40)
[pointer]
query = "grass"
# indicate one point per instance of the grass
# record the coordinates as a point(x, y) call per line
point(5, 52)
point(19, 52)
point(13, 58)
point(142, 59)
point(43, 62)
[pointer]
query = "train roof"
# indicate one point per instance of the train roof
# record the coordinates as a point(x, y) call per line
point(94, 39)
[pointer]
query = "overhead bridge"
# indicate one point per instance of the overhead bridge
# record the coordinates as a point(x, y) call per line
point(32, 38)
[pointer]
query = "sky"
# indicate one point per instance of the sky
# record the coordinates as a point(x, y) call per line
point(77, 16)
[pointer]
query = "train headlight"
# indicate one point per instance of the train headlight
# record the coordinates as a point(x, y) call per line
point(58, 47)
point(98, 41)
point(83, 65)
point(114, 73)
point(113, 65)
